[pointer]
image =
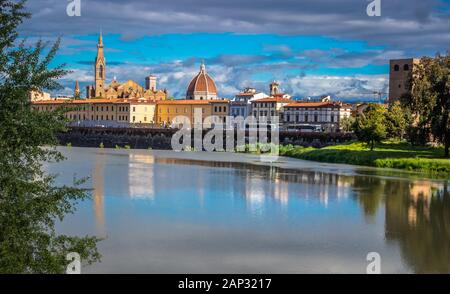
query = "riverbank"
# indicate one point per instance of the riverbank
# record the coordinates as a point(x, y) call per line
point(384, 155)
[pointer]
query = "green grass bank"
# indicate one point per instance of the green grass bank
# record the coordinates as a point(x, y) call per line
point(385, 155)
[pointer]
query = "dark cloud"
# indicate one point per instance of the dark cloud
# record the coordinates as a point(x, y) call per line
point(405, 24)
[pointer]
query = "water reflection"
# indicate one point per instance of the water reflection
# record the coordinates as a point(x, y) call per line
point(417, 213)
point(98, 192)
point(141, 176)
point(310, 212)
point(418, 218)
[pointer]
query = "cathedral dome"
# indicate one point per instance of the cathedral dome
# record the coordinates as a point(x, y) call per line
point(202, 86)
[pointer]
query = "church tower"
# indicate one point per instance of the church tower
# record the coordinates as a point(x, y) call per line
point(77, 91)
point(274, 88)
point(100, 67)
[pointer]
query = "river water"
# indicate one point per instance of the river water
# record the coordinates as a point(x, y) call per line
point(168, 212)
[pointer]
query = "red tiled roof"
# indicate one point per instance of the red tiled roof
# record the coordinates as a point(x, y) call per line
point(273, 99)
point(202, 82)
point(187, 102)
point(313, 104)
point(246, 94)
point(89, 101)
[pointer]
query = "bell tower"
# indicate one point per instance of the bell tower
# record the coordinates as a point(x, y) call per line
point(274, 88)
point(100, 68)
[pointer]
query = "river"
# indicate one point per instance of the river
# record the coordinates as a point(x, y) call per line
point(168, 212)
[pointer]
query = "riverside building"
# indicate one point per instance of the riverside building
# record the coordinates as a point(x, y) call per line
point(315, 116)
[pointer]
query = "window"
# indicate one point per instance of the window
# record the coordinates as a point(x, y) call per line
point(134, 109)
point(106, 117)
point(306, 117)
point(145, 118)
point(406, 67)
point(100, 71)
point(396, 67)
point(134, 118)
point(112, 117)
point(316, 118)
point(215, 108)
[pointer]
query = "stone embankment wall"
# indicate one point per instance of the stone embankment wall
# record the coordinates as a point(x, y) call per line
point(145, 138)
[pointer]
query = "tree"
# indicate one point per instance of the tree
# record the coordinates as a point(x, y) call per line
point(429, 100)
point(347, 123)
point(397, 121)
point(30, 202)
point(370, 126)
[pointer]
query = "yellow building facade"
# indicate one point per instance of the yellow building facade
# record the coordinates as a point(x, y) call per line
point(103, 110)
point(171, 112)
point(138, 111)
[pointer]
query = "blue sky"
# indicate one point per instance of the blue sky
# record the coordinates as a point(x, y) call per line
point(313, 48)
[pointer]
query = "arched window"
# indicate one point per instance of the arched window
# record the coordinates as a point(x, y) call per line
point(406, 67)
point(396, 67)
point(100, 71)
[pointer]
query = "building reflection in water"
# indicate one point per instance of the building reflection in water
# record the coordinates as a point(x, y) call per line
point(417, 218)
point(421, 193)
point(313, 186)
point(259, 183)
point(141, 175)
point(255, 194)
point(416, 213)
point(98, 191)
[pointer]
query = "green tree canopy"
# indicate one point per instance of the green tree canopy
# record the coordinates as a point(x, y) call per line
point(30, 202)
point(397, 121)
point(347, 124)
point(429, 101)
point(370, 127)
